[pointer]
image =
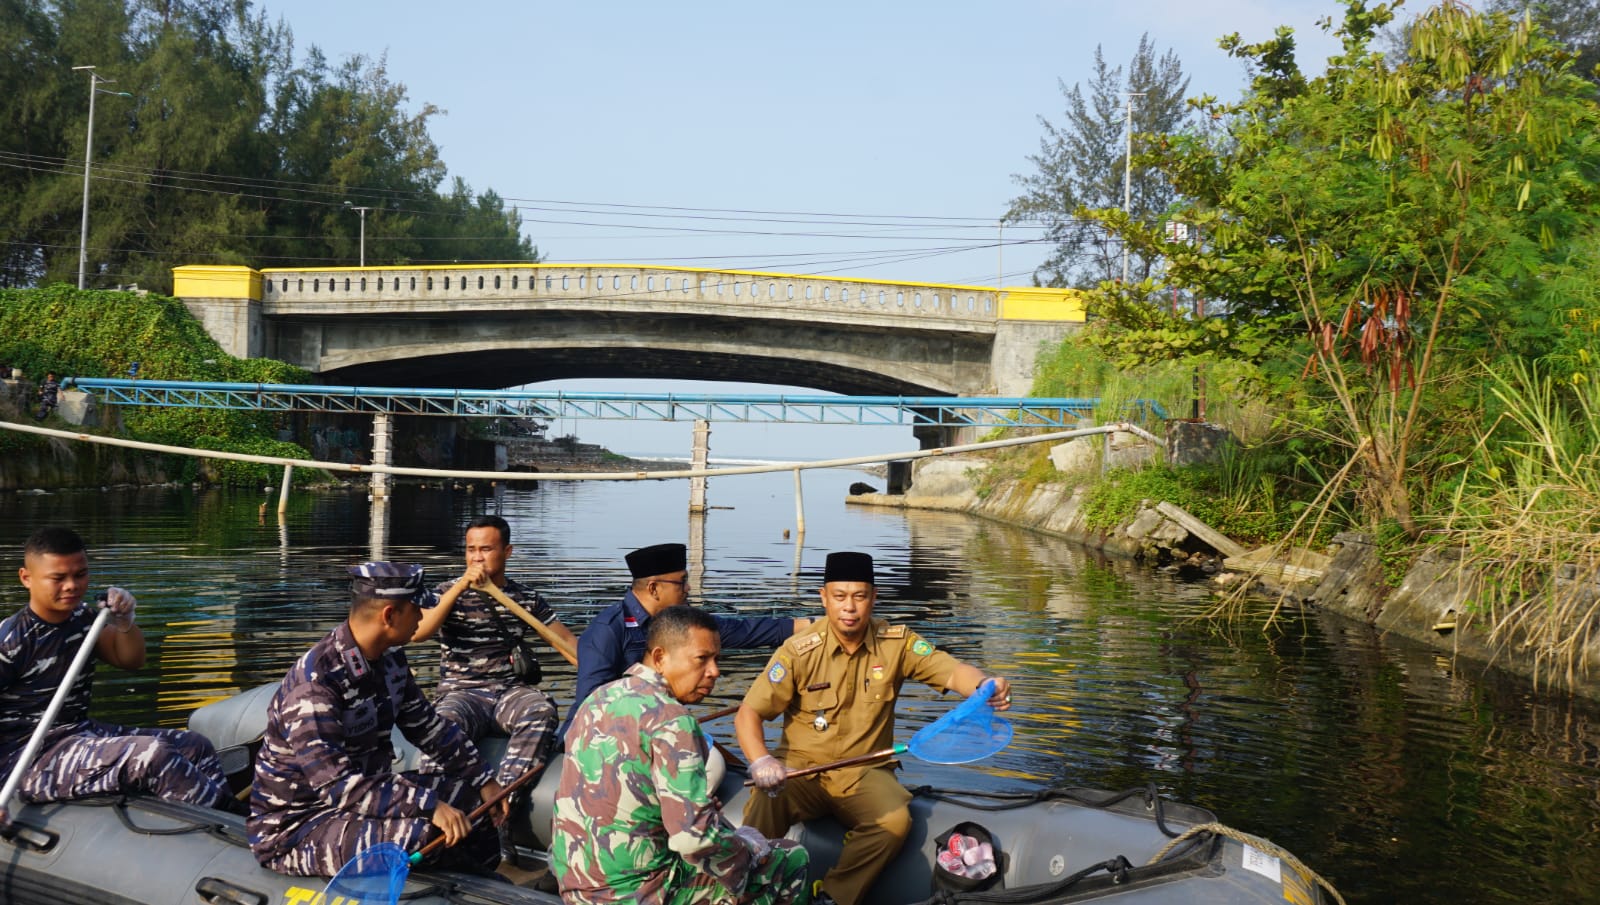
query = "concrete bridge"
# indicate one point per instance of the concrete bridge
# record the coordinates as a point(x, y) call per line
point(502, 325)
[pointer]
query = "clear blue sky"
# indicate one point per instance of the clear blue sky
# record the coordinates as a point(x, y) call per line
point(596, 117)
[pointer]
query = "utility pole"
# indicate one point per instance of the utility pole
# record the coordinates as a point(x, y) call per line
point(95, 81)
point(1127, 177)
point(1000, 254)
point(363, 212)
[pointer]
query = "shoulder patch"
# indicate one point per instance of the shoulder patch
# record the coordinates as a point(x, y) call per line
point(355, 662)
point(921, 648)
point(892, 631)
point(776, 673)
point(807, 642)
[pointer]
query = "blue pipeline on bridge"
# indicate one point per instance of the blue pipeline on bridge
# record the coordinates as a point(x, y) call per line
point(943, 411)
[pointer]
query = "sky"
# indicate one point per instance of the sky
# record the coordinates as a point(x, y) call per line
point(854, 138)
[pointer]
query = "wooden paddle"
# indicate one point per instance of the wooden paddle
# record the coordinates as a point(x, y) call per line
point(719, 714)
point(479, 811)
point(556, 641)
point(883, 754)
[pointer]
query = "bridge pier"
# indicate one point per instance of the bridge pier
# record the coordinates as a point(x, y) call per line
point(378, 530)
point(382, 446)
point(699, 455)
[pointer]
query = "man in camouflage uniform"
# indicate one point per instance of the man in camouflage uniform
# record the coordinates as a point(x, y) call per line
point(323, 787)
point(835, 687)
point(634, 821)
point(80, 756)
point(478, 689)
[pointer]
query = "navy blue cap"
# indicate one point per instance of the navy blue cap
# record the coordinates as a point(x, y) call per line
point(388, 581)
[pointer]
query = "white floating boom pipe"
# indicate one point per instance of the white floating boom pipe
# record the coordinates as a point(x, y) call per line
point(581, 476)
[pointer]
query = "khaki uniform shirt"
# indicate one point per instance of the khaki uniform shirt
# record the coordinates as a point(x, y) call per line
point(836, 704)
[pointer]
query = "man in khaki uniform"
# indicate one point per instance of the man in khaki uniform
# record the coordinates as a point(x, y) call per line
point(835, 685)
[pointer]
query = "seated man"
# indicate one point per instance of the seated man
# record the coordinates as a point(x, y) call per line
point(81, 756)
point(634, 821)
point(324, 788)
point(478, 688)
point(835, 687)
point(615, 639)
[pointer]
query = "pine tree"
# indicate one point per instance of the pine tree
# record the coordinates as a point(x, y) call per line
point(1080, 166)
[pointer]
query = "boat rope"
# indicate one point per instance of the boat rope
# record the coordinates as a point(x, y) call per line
point(1006, 801)
point(1254, 842)
point(725, 471)
point(119, 806)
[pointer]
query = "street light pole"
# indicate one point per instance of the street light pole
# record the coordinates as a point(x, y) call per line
point(95, 81)
point(1127, 177)
point(363, 212)
point(88, 153)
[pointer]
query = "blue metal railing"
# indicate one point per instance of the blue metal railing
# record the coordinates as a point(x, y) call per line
point(947, 411)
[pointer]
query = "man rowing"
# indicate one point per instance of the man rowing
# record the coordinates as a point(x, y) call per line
point(324, 784)
point(81, 756)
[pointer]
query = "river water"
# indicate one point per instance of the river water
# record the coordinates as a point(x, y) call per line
point(1371, 758)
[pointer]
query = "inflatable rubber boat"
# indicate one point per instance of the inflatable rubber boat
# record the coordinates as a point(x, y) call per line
point(1051, 848)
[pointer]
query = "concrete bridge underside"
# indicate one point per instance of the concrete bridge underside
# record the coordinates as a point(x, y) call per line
point(503, 325)
point(488, 351)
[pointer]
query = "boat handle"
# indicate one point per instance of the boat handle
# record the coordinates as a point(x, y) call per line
point(31, 838)
point(214, 889)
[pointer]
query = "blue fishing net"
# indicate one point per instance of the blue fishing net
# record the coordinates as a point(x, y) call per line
point(972, 731)
point(374, 876)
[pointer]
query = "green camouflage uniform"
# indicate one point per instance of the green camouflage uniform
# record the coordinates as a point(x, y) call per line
point(634, 821)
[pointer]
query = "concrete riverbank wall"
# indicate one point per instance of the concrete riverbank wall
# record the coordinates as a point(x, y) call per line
point(1436, 603)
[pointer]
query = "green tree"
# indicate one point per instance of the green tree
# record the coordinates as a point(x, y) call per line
point(1081, 165)
point(1575, 23)
point(228, 151)
point(1378, 231)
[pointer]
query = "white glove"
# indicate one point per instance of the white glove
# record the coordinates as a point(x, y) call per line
point(768, 773)
point(121, 604)
point(759, 846)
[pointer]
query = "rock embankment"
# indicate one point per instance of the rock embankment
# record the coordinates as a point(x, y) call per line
point(1436, 604)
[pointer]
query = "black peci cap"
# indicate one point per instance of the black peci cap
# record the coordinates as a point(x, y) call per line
point(848, 567)
point(660, 559)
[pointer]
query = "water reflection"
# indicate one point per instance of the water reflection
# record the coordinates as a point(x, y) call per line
point(1388, 770)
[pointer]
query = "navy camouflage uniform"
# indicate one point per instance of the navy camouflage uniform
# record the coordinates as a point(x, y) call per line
point(80, 756)
point(634, 821)
point(323, 787)
point(614, 641)
point(477, 687)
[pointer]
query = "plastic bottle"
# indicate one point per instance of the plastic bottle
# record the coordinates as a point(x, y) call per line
point(952, 863)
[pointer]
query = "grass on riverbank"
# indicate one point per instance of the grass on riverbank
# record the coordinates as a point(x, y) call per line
point(1528, 515)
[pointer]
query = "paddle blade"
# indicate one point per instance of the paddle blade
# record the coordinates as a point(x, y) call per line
point(374, 876)
point(972, 731)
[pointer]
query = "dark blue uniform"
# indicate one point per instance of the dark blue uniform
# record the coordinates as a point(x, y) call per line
point(478, 689)
point(324, 788)
point(614, 641)
point(81, 756)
